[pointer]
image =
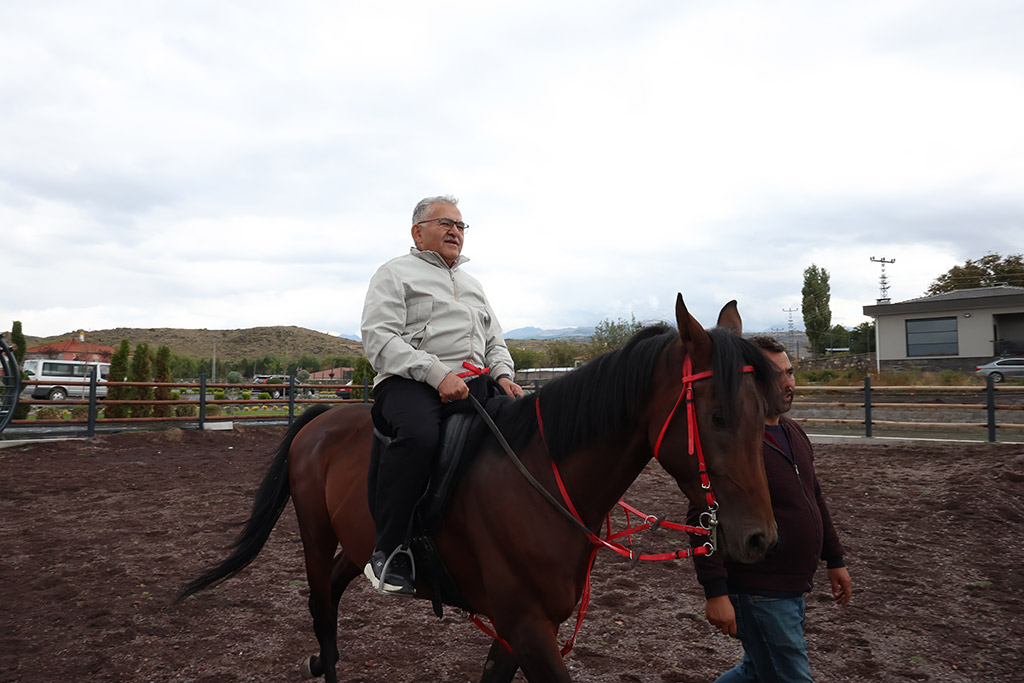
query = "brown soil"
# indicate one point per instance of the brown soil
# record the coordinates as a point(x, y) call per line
point(98, 535)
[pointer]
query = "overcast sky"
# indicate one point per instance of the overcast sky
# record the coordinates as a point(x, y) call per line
point(232, 164)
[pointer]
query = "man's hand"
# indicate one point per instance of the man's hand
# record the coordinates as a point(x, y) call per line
point(721, 614)
point(842, 585)
point(452, 388)
point(511, 388)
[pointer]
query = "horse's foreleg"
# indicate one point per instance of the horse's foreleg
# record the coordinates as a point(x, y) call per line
point(501, 665)
point(535, 644)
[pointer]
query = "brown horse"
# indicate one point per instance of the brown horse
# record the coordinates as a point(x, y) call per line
point(514, 557)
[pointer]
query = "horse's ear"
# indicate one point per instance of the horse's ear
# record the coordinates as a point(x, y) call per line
point(691, 333)
point(729, 318)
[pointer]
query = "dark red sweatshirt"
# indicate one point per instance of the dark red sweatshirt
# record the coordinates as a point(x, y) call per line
point(806, 534)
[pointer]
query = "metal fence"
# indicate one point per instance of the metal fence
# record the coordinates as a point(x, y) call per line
point(986, 411)
point(903, 409)
point(262, 410)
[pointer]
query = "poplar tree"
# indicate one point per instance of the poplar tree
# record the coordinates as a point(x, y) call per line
point(817, 314)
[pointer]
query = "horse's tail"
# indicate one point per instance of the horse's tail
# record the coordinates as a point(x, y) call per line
point(270, 502)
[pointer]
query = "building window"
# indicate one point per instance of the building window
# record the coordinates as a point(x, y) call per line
point(932, 337)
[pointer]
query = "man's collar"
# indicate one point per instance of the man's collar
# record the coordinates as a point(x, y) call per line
point(436, 259)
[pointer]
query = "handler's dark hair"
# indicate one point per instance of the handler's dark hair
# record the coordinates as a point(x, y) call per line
point(766, 343)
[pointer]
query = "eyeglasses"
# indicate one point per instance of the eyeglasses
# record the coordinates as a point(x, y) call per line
point(447, 223)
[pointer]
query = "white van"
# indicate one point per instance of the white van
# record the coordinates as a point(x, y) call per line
point(54, 377)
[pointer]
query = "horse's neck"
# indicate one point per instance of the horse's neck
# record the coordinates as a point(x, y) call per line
point(598, 476)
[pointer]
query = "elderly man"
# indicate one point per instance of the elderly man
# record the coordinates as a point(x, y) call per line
point(763, 603)
point(427, 329)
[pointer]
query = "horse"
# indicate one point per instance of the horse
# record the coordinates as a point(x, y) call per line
point(515, 557)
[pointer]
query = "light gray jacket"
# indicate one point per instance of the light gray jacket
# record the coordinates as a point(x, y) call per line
point(422, 319)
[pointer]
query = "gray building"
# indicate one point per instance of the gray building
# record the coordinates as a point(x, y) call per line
point(956, 330)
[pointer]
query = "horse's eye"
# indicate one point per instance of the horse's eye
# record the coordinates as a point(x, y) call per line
point(717, 420)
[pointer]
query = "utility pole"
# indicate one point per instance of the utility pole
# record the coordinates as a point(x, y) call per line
point(883, 290)
point(792, 332)
point(883, 281)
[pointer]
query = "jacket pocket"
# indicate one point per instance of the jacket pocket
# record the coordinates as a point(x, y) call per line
point(417, 313)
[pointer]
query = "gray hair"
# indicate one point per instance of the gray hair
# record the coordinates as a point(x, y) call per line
point(769, 344)
point(425, 204)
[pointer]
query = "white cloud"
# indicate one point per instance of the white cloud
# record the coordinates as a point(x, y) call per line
point(230, 165)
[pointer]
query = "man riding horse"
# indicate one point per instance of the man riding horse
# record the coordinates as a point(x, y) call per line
point(427, 327)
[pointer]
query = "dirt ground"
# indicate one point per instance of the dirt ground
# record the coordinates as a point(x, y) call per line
point(96, 537)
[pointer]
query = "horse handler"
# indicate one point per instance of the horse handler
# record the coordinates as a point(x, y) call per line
point(763, 603)
point(427, 327)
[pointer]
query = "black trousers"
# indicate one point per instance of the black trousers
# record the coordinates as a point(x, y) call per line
point(411, 413)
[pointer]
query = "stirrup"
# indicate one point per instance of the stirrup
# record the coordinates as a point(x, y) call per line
point(387, 563)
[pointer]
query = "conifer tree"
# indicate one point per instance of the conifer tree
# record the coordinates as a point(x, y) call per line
point(162, 374)
point(118, 373)
point(142, 371)
point(18, 344)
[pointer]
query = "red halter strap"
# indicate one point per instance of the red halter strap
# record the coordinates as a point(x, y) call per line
point(693, 438)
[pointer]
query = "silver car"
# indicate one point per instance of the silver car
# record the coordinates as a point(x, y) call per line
point(1002, 368)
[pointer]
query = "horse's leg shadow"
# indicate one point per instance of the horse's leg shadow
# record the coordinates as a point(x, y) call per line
point(501, 665)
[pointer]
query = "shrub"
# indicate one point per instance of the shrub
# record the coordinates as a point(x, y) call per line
point(212, 411)
point(246, 395)
point(80, 413)
point(218, 395)
point(263, 396)
point(186, 410)
point(48, 413)
point(175, 395)
point(235, 377)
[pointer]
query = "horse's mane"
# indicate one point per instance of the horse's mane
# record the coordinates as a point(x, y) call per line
point(599, 398)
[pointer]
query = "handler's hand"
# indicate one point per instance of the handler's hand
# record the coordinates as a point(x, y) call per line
point(511, 388)
point(721, 614)
point(842, 585)
point(452, 388)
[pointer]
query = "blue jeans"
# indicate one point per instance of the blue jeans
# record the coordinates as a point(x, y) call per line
point(772, 633)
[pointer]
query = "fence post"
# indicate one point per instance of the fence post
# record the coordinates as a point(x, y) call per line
point(202, 399)
point(90, 429)
point(867, 406)
point(291, 399)
point(366, 389)
point(990, 405)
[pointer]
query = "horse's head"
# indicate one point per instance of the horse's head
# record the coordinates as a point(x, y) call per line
point(730, 380)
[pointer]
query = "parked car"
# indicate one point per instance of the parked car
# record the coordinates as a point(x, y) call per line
point(345, 391)
point(56, 378)
point(276, 385)
point(1002, 368)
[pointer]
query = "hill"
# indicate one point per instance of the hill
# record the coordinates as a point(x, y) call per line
point(251, 342)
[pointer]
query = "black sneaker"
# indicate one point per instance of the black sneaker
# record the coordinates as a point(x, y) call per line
point(399, 577)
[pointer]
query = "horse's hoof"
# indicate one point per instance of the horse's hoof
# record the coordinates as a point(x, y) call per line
point(307, 668)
